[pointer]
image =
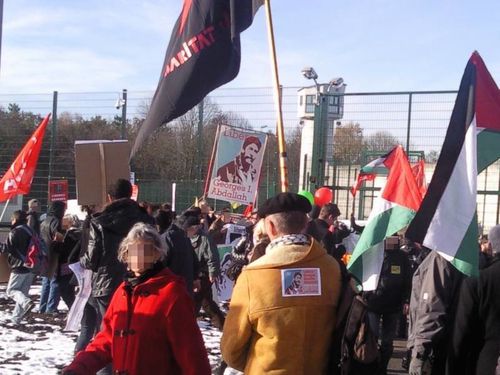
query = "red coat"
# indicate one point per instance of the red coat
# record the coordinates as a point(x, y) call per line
point(153, 330)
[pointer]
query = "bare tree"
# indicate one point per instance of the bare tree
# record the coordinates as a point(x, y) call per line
point(380, 142)
point(348, 143)
point(432, 156)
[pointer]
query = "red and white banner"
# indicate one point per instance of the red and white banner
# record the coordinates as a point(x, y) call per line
point(58, 190)
point(17, 180)
point(135, 192)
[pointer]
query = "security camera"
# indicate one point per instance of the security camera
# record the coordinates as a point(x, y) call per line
point(119, 103)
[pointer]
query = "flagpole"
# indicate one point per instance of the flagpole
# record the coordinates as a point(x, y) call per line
point(4, 209)
point(277, 100)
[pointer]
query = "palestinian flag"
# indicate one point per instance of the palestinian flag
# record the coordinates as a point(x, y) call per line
point(203, 54)
point(370, 171)
point(419, 173)
point(393, 210)
point(447, 220)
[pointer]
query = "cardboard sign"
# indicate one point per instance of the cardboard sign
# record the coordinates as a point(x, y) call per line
point(98, 164)
point(58, 190)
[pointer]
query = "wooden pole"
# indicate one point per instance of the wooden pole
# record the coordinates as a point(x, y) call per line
point(277, 101)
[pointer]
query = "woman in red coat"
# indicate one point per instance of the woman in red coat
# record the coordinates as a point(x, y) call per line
point(150, 326)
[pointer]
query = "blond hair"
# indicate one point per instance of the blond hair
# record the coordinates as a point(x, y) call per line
point(259, 231)
point(142, 232)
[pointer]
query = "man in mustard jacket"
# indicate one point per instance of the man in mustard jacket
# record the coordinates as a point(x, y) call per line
point(268, 329)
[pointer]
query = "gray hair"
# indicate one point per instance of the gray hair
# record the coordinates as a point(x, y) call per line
point(494, 238)
point(73, 220)
point(142, 232)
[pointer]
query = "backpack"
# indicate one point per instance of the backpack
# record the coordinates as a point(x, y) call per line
point(355, 347)
point(36, 259)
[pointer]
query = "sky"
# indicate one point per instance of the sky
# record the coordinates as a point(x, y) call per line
point(375, 45)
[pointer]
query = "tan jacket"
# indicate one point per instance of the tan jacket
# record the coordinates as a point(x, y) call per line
point(269, 332)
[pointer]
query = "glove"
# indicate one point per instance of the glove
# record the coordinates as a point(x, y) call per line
point(420, 365)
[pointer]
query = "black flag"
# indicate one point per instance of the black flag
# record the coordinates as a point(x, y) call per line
point(203, 54)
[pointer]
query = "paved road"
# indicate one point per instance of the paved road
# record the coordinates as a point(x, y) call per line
point(395, 363)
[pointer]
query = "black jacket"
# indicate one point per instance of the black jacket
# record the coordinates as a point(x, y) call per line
point(107, 229)
point(69, 250)
point(319, 230)
point(34, 221)
point(48, 229)
point(208, 255)
point(394, 285)
point(16, 248)
point(181, 257)
point(475, 340)
point(433, 303)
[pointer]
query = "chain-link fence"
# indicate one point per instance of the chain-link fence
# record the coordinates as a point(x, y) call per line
point(371, 124)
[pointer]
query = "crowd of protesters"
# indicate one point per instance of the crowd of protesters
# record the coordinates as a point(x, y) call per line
point(153, 271)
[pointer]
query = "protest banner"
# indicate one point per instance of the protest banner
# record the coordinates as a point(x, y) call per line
point(235, 167)
point(58, 190)
point(223, 287)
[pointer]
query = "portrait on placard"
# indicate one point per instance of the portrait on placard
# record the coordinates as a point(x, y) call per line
point(236, 166)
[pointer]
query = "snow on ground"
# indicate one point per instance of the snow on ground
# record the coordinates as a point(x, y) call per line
point(39, 346)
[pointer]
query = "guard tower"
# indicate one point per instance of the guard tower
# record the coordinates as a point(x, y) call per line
point(319, 107)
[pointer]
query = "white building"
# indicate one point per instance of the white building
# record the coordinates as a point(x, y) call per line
point(308, 98)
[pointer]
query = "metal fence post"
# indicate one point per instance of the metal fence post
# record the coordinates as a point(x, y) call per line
point(53, 129)
point(124, 114)
point(410, 97)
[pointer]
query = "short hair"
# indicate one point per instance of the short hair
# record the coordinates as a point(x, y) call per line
point(329, 209)
point(193, 211)
point(89, 209)
point(163, 219)
point(33, 203)
point(494, 238)
point(187, 221)
point(73, 220)
point(142, 232)
point(19, 216)
point(291, 222)
point(251, 140)
point(120, 189)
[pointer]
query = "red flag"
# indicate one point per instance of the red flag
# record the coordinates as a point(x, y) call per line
point(401, 187)
point(248, 211)
point(360, 180)
point(17, 180)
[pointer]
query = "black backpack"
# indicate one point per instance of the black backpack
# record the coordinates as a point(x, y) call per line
point(354, 346)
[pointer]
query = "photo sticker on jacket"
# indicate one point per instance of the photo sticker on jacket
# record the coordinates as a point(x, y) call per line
point(300, 282)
